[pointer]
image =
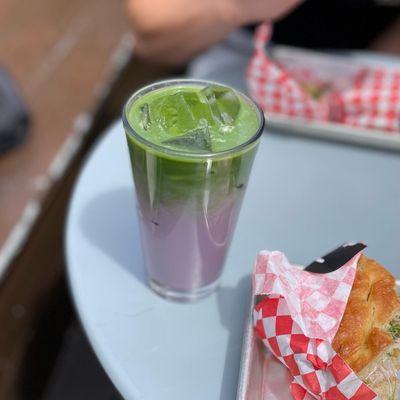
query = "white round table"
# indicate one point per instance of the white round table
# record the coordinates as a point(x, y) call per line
point(305, 197)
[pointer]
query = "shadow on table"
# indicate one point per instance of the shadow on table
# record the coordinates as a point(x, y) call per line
point(109, 221)
point(234, 306)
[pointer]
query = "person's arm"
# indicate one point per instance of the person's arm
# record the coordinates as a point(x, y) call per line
point(172, 31)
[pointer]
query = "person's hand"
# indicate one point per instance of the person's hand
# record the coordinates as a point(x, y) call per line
point(172, 31)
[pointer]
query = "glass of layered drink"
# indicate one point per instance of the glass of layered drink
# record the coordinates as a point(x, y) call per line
point(192, 144)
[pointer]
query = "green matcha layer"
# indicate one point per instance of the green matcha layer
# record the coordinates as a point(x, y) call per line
point(194, 119)
point(185, 122)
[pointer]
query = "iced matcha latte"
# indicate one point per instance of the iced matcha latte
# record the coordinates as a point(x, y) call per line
point(192, 145)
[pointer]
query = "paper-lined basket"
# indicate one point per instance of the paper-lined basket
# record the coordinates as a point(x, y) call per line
point(264, 376)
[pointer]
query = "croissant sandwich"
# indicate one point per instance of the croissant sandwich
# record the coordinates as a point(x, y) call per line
point(368, 338)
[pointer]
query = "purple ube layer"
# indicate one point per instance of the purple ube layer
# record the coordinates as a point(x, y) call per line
point(186, 250)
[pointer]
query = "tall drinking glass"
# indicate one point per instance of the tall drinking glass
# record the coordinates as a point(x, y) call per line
point(192, 144)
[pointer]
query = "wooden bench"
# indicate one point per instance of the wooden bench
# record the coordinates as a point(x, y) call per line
point(73, 62)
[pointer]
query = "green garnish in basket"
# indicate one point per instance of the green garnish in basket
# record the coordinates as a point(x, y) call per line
point(394, 329)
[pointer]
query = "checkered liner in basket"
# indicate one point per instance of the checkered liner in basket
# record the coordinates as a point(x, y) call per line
point(371, 100)
point(297, 318)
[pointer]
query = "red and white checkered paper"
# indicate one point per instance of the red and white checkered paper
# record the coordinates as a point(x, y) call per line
point(297, 321)
point(371, 100)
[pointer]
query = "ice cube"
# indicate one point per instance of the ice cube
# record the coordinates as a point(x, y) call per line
point(223, 102)
point(198, 139)
point(199, 109)
point(163, 113)
point(180, 112)
point(145, 118)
